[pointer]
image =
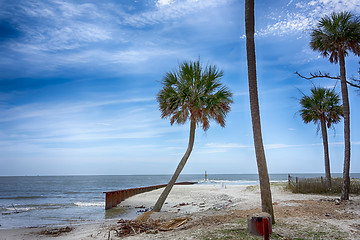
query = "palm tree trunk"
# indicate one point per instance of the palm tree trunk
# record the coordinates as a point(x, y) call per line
point(160, 202)
point(326, 153)
point(266, 201)
point(346, 109)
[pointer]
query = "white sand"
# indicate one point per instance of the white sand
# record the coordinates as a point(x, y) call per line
point(197, 200)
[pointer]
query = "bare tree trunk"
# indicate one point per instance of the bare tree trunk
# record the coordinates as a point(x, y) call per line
point(346, 109)
point(160, 202)
point(326, 152)
point(266, 201)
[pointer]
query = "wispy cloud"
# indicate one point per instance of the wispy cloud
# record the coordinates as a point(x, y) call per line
point(57, 25)
point(72, 34)
point(169, 10)
point(299, 16)
point(224, 147)
point(44, 110)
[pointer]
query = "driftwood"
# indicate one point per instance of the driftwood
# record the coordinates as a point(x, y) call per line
point(173, 224)
point(144, 217)
point(55, 232)
point(133, 227)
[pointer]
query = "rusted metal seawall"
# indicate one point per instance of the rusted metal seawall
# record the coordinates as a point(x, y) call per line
point(113, 198)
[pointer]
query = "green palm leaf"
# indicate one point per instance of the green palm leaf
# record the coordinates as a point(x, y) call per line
point(194, 92)
point(337, 32)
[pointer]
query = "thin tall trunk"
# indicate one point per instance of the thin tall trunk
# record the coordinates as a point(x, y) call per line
point(346, 110)
point(326, 153)
point(160, 202)
point(266, 201)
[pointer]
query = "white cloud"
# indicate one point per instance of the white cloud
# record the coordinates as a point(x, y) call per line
point(169, 10)
point(161, 3)
point(299, 16)
point(224, 147)
point(44, 110)
point(59, 25)
point(292, 22)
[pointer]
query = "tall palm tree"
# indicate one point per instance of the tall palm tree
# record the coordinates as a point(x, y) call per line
point(324, 109)
point(334, 37)
point(192, 93)
point(266, 201)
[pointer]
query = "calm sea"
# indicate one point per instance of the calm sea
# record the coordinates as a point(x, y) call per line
point(63, 200)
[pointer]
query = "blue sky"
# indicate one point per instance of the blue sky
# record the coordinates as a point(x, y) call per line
point(78, 85)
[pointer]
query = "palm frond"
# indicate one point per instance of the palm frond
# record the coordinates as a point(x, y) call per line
point(322, 104)
point(194, 92)
point(339, 32)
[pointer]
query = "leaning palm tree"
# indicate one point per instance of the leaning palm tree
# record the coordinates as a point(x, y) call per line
point(266, 201)
point(324, 109)
point(334, 37)
point(192, 93)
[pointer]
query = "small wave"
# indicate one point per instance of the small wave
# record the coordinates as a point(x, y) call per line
point(20, 209)
point(15, 210)
point(89, 204)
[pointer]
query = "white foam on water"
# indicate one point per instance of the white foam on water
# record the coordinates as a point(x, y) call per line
point(20, 209)
point(90, 204)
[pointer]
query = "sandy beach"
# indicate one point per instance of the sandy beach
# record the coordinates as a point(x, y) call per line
point(219, 211)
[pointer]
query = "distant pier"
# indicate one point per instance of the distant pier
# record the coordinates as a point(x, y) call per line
point(113, 198)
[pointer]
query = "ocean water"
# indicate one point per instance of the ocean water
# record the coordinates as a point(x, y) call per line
point(35, 201)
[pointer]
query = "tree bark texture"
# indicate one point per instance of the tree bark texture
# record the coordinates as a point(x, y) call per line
point(326, 152)
point(266, 201)
point(346, 110)
point(160, 202)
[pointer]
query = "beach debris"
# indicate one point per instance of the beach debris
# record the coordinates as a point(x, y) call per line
point(133, 227)
point(337, 201)
point(143, 209)
point(55, 232)
point(181, 205)
point(144, 217)
point(173, 224)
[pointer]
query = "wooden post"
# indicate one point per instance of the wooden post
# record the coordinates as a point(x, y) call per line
point(266, 229)
point(289, 179)
point(260, 224)
point(297, 184)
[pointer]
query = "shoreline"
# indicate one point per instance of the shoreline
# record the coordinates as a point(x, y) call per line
point(211, 206)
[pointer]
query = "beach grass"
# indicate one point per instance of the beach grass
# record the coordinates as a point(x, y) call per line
point(318, 186)
point(281, 231)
